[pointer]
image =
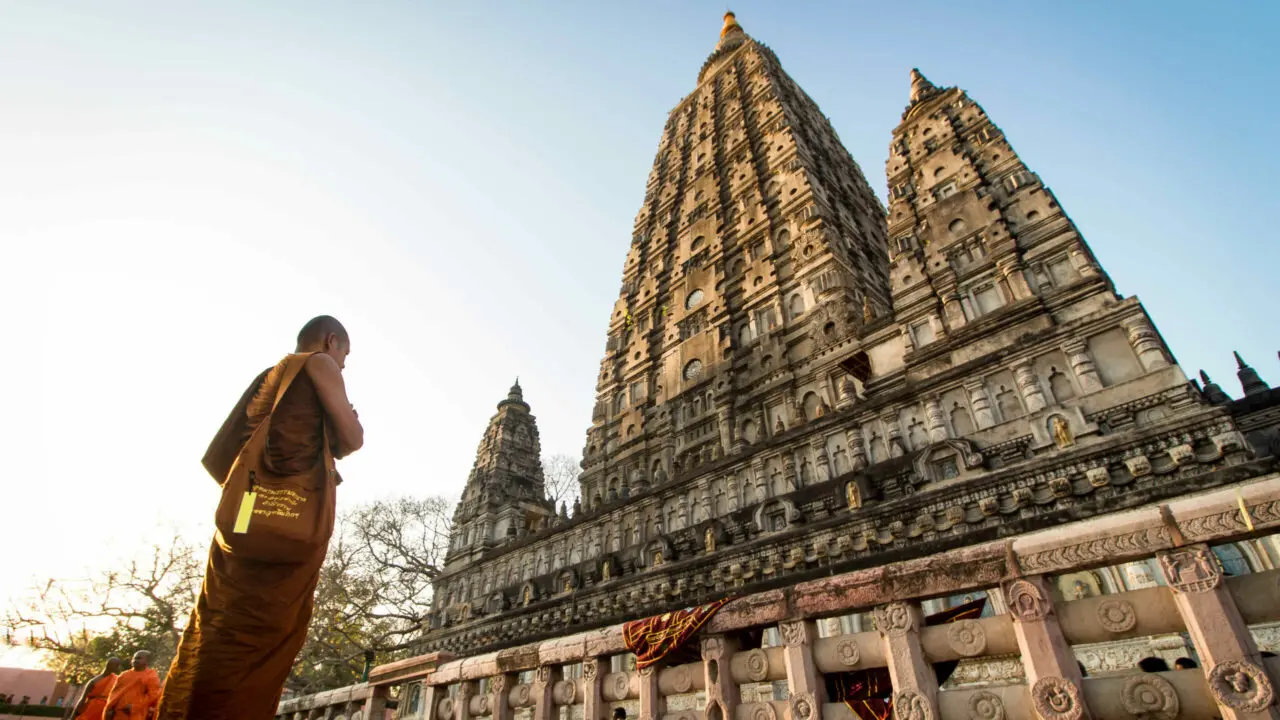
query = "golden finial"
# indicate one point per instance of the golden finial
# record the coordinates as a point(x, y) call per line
point(730, 22)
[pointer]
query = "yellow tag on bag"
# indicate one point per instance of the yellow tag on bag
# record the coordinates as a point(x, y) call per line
point(246, 512)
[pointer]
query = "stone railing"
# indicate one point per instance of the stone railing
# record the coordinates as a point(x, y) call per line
point(763, 657)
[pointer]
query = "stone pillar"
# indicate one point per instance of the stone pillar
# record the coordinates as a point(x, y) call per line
point(544, 682)
point(593, 671)
point(1011, 268)
point(1029, 385)
point(953, 310)
point(822, 465)
point(1051, 669)
point(761, 479)
point(857, 452)
point(1146, 344)
point(652, 703)
point(936, 422)
point(724, 419)
point(499, 688)
point(939, 329)
point(808, 691)
point(981, 402)
point(431, 697)
point(893, 431)
point(462, 701)
point(915, 686)
point(1237, 680)
point(722, 692)
point(1077, 352)
point(1080, 260)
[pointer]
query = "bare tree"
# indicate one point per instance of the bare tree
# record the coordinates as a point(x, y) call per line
point(143, 604)
point(560, 477)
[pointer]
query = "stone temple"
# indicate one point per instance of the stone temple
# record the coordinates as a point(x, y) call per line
point(847, 419)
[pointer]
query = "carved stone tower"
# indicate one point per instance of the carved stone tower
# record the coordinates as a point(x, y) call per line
point(758, 245)
point(504, 498)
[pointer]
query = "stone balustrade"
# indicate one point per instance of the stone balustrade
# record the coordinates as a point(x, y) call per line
point(772, 637)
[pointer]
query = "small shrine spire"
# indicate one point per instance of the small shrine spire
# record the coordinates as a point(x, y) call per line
point(1212, 392)
point(1249, 380)
point(730, 24)
point(920, 86)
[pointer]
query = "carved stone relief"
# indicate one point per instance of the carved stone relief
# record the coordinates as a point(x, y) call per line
point(757, 665)
point(1025, 601)
point(1149, 696)
point(802, 706)
point(1056, 698)
point(967, 638)
point(911, 705)
point(985, 706)
point(1190, 569)
point(894, 619)
point(1241, 685)
point(847, 652)
point(1116, 615)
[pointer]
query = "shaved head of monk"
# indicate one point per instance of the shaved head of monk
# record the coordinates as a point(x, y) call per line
point(326, 335)
point(141, 660)
point(113, 665)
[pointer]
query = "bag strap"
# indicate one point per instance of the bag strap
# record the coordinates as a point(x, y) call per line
point(291, 369)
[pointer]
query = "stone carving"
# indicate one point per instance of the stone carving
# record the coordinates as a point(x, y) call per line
point(1057, 699)
point(709, 540)
point(1241, 685)
point(792, 633)
point(764, 711)
point(543, 674)
point(847, 652)
point(894, 619)
point(646, 671)
point(1182, 454)
point(621, 686)
point(1116, 615)
point(498, 683)
point(985, 706)
point(520, 695)
point(446, 707)
point(1149, 696)
point(911, 705)
point(484, 704)
point(757, 665)
point(566, 692)
point(712, 646)
point(1098, 477)
point(1072, 556)
point(1025, 601)
point(1190, 569)
point(802, 706)
point(967, 638)
point(1138, 466)
point(681, 679)
point(589, 669)
point(853, 498)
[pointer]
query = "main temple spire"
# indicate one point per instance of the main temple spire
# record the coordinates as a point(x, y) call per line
point(920, 86)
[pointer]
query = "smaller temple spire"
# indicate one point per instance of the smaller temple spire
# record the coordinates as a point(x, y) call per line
point(920, 86)
point(1249, 380)
point(1212, 392)
point(515, 396)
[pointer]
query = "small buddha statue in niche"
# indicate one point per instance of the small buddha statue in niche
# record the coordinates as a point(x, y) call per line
point(657, 558)
point(528, 594)
point(1061, 432)
point(604, 570)
point(709, 539)
point(852, 495)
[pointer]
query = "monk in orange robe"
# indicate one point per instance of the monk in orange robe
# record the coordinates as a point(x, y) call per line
point(93, 699)
point(251, 617)
point(136, 692)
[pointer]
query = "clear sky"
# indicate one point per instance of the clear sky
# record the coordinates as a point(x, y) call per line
point(182, 185)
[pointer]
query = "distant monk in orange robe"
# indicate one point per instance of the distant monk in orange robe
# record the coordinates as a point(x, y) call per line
point(93, 699)
point(136, 692)
point(251, 618)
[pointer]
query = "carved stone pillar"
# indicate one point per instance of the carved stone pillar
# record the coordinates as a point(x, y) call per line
point(499, 688)
point(724, 418)
point(953, 310)
point(1237, 680)
point(1029, 386)
point(981, 402)
point(1080, 261)
point(1146, 344)
point(1077, 352)
point(939, 329)
point(822, 465)
point(652, 703)
point(915, 685)
point(848, 394)
point(1011, 268)
point(789, 471)
point(462, 701)
point(544, 682)
point(760, 479)
point(808, 691)
point(593, 671)
point(1051, 669)
point(722, 692)
point(937, 423)
point(893, 431)
point(857, 452)
point(908, 344)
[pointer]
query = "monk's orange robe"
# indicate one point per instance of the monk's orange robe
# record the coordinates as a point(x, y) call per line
point(134, 695)
point(95, 698)
point(251, 618)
